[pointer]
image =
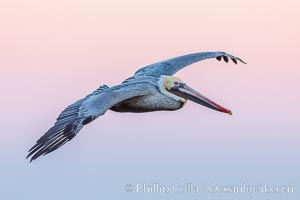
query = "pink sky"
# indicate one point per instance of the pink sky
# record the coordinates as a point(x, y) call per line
point(55, 52)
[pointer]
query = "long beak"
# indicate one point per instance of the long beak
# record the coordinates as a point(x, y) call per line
point(186, 92)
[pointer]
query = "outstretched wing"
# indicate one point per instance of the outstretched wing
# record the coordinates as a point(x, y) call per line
point(82, 112)
point(173, 65)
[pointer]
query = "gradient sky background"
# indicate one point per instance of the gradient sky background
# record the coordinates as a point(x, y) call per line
point(53, 53)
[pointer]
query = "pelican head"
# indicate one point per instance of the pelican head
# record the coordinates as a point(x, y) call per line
point(176, 89)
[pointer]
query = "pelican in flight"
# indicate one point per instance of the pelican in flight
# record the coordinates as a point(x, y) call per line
point(151, 88)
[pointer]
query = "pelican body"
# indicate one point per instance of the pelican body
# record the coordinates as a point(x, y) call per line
point(154, 100)
point(151, 88)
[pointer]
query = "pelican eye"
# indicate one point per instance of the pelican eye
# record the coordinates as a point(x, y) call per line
point(182, 85)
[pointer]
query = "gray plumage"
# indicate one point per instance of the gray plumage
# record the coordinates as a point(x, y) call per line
point(139, 93)
point(171, 66)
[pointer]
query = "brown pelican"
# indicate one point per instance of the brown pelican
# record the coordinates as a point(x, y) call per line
point(151, 88)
